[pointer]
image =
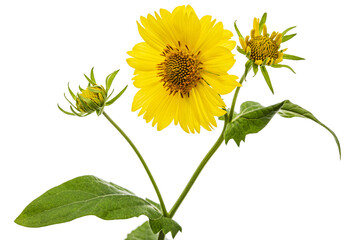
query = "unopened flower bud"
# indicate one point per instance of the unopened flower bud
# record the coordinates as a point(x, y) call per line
point(91, 99)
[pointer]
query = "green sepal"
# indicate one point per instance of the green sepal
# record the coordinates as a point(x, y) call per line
point(95, 90)
point(69, 101)
point(288, 37)
point(110, 94)
point(80, 88)
point(99, 111)
point(266, 77)
point(255, 69)
point(71, 92)
point(68, 113)
point(82, 196)
point(84, 104)
point(108, 103)
point(165, 225)
point(262, 22)
point(292, 57)
point(93, 82)
point(80, 114)
point(237, 30)
point(238, 48)
point(89, 80)
point(286, 30)
point(110, 79)
point(281, 66)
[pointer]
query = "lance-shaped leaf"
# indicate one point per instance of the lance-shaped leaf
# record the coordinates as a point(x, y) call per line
point(252, 118)
point(143, 232)
point(82, 196)
point(289, 110)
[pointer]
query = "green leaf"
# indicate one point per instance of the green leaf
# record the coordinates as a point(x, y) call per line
point(286, 30)
point(289, 110)
point(110, 78)
point(292, 57)
point(266, 77)
point(252, 118)
point(82, 196)
point(288, 37)
point(165, 225)
point(108, 103)
point(281, 66)
point(262, 22)
point(143, 232)
point(238, 48)
point(237, 30)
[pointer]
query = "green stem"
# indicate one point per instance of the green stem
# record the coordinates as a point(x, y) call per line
point(210, 153)
point(162, 204)
point(161, 236)
point(197, 173)
point(242, 79)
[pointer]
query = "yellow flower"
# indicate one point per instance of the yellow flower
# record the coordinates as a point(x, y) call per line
point(262, 49)
point(181, 69)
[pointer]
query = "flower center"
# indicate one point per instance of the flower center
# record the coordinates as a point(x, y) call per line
point(262, 48)
point(180, 71)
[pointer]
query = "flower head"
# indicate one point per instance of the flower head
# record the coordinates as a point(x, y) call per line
point(181, 68)
point(92, 99)
point(263, 49)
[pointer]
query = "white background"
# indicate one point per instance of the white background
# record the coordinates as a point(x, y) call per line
point(286, 182)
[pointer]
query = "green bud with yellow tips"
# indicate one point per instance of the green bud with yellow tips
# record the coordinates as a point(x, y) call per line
point(93, 98)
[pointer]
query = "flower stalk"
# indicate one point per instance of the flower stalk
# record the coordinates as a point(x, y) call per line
point(162, 204)
point(213, 149)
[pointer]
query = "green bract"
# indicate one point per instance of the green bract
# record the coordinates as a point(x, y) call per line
point(92, 99)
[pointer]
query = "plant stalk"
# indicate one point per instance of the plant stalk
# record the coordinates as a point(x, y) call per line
point(210, 153)
point(162, 204)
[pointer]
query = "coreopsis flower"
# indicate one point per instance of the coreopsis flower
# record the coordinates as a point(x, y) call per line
point(92, 99)
point(263, 49)
point(181, 69)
